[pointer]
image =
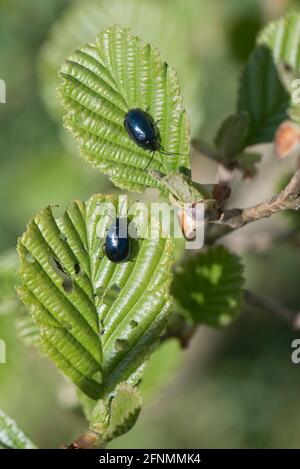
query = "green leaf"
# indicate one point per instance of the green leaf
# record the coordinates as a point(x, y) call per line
point(124, 410)
point(263, 96)
point(162, 366)
point(209, 286)
point(11, 437)
point(101, 82)
point(282, 37)
point(111, 417)
point(232, 135)
point(66, 283)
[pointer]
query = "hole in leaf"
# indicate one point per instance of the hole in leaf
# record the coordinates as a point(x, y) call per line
point(68, 285)
point(29, 258)
point(57, 267)
point(133, 323)
point(77, 268)
point(121, 344)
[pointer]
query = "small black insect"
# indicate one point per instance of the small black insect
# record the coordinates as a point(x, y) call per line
point(117, 246)
point(142, 129)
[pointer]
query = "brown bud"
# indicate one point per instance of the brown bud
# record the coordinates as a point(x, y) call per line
point(287, 139)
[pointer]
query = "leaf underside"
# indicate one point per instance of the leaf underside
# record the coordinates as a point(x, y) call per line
point(98, 321)
point(101, 82)
point(209, 286)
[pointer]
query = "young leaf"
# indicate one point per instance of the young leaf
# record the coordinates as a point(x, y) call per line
point(110, 417)
point(66, 283)
point(232, 135)
point(124, 410)
point(101, 83)
point(11, 437)
point(209, 286)
point(263, 96)
point(231, 141)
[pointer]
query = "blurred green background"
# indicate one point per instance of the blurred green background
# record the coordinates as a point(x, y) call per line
point(231, 388)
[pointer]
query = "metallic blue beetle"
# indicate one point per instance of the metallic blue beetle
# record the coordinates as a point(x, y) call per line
point(143, 130)
point(117, 248)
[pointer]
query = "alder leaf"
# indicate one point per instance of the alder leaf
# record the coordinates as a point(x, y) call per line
point(101, 83)
point(263, 95)
point(98, 321)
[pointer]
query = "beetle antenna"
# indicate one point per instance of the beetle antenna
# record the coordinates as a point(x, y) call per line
point(150, 161)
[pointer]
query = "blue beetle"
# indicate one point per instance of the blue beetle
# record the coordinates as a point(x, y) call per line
point(117, 248)
point(142, 129)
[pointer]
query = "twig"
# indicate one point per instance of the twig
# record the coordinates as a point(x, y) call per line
point(288, 198)
point(274, 307)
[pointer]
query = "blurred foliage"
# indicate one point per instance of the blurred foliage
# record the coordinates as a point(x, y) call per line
point(209, 286)
point(242, 33)
point(241, 385)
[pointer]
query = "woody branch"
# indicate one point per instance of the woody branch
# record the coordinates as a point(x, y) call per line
point(288, 198)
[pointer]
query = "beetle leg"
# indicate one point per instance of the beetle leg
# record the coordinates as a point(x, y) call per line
point(148, 164)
